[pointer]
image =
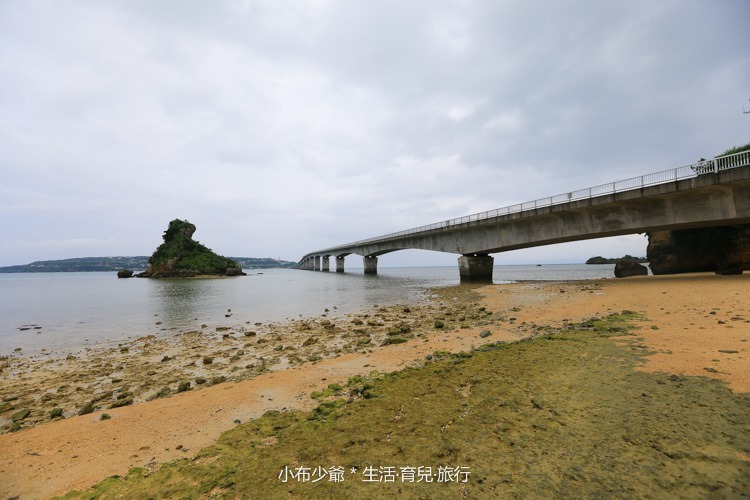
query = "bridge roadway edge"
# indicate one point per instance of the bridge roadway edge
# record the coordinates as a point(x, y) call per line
point(707, 200)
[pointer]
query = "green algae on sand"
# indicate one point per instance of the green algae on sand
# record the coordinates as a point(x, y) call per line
point(565, 414)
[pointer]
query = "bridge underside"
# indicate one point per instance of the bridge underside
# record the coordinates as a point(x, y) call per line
point(704, 201)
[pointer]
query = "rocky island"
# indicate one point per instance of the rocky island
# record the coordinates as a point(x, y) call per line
point(182, 257)
point(602, 260)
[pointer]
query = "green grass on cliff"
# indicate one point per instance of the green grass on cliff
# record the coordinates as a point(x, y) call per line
point(563, 415)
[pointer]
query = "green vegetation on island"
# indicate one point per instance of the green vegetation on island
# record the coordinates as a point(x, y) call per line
point(181, 256)
point(602, 260)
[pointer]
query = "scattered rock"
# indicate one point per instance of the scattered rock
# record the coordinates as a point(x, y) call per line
point(105, 416)
point(125, 273)
point(121, 402)
point(184, 386)
point(163, 393)
point(20, 415)
point(56, 413)
point(87, 408)
point(207, 360)
point(393, 340)
point(102, 396)
point(485, 334)
point(625, 268)
point(730, 268)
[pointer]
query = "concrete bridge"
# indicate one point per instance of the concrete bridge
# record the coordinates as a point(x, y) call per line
point(709, 193)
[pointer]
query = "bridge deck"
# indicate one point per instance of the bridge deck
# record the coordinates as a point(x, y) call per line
point(710, 193)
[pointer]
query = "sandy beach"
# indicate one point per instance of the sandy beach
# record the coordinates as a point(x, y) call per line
point(696, 325)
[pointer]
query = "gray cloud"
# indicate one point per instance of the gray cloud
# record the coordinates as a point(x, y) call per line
point(279, 128)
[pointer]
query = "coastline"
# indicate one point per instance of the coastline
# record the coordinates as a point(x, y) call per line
point(696, 325)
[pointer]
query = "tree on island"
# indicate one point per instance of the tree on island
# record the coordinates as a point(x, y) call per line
point(181, 256)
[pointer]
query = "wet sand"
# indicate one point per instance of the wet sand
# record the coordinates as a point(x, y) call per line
point(698, 325)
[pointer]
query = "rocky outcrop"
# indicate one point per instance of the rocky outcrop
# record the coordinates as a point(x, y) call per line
point(124, 273)
point(625, 268)
point(235, 271)
point(182, 257)
point(723, 250)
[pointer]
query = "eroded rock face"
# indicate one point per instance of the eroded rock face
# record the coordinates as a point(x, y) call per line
point(625, 268)
point(723, 250)
point(124, 273)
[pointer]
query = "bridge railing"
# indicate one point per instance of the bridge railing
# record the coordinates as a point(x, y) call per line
point(714, 165)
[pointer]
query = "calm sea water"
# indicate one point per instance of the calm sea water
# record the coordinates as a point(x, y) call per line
point(65, 312)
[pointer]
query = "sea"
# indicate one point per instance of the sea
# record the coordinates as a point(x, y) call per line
point(63, 313)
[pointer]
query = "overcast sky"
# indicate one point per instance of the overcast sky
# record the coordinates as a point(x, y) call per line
point(279, 128)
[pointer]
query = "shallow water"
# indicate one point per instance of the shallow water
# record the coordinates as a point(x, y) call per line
point(67, 311)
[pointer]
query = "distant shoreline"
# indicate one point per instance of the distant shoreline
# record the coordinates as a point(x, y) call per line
point(134, 263)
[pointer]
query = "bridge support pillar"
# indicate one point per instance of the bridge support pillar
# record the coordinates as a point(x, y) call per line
point(316, 263)
point(326, 266)
point(339, 263)
point(371, 264)
point(475, 268)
